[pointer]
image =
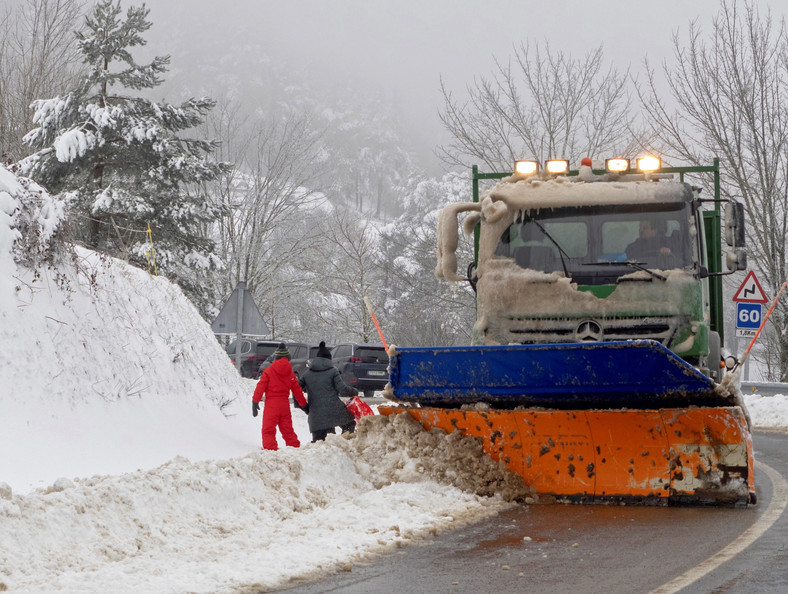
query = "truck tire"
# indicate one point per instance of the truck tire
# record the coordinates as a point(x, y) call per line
point(369, 393)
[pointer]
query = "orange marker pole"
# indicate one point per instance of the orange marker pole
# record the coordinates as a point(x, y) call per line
point(763, 323)
point(368, 303)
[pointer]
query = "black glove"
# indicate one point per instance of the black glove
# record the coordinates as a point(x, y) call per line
point(304, 408)
point(255, 408)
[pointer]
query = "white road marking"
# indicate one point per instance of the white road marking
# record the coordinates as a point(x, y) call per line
point(769, 517)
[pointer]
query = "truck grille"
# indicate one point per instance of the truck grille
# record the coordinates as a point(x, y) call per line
point(551, 330)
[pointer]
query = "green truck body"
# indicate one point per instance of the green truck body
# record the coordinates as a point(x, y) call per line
point(552, 263)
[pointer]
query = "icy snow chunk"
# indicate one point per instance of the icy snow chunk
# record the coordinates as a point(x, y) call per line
point(448, 240)
point(5, 491)
point(59, 485)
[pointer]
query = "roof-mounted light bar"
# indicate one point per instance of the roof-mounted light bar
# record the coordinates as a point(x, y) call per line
point(617, 165)
point(649, 163)
point(526, 167)
point(556, 166)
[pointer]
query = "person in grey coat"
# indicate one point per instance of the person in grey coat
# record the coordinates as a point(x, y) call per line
point(324, 385)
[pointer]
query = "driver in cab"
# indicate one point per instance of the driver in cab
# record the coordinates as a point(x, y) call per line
point(650, 243)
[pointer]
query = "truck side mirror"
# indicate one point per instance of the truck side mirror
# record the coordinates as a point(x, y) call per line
point(734, 224)
point(736, 259)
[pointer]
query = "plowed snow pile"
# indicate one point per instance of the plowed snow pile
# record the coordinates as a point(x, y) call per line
point(264, 519)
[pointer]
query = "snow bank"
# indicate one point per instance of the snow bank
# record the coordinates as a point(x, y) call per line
point(768, 412)
point(97, 360)
point(131, 333)
point(261, 520)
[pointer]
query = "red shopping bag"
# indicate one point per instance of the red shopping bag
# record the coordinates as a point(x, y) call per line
point(358, 408)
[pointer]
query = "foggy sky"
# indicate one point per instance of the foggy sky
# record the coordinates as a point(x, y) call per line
point(401, 48)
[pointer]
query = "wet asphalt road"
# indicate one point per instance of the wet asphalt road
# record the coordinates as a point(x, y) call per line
point(573, 549)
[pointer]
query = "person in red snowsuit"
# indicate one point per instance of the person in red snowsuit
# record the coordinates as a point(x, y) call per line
point(276, 383)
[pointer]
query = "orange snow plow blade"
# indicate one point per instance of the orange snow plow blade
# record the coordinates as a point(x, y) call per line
point(692, 456)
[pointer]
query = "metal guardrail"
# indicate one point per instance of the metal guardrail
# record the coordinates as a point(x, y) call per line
point(764, 388)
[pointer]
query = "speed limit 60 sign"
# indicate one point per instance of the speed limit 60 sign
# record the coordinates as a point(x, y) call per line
point(748, 318)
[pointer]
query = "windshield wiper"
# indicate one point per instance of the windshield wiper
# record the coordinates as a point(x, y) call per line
point(561, 251)
point(631, 263)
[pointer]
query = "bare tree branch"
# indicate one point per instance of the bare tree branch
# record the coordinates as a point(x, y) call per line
point(730, 90)
point(545, 105)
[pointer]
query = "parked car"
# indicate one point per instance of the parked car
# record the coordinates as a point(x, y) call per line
point(301, 365)
point(363, 366)
point(253, 352)
point(299, 353)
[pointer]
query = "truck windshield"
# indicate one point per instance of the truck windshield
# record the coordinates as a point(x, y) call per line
point(598, 245)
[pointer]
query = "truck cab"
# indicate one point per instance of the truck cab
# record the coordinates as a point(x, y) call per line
point(598, 257)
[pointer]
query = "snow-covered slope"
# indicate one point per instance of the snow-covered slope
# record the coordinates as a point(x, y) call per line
point(98, 358)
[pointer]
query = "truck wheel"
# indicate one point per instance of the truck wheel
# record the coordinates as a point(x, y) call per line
point(369, 393)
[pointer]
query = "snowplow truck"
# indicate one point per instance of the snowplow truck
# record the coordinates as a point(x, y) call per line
point(595, 370)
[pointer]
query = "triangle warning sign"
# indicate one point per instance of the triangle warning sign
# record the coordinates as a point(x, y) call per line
point(750, 290)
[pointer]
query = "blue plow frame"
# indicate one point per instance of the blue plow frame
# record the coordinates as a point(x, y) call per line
point(635, 373)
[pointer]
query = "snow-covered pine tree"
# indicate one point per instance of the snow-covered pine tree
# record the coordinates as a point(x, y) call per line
point(125, 159)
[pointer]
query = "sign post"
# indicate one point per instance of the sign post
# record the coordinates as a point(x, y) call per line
point(749, 300)
point(240, 316)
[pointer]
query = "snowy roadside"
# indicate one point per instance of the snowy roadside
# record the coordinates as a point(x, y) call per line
point(768, 413)
point(263, 519)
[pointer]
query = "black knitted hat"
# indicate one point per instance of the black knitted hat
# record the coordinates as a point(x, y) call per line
point(322, 351)
point(281, 351)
